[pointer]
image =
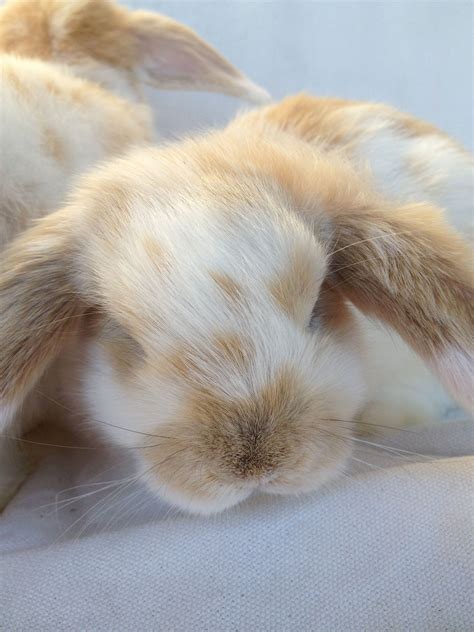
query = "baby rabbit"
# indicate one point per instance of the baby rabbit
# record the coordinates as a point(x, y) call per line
point(71, 74)
point(200, 296)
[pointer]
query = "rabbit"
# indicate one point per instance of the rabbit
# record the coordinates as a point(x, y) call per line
point(193, 303)
point(71, 78)
point(410, 161)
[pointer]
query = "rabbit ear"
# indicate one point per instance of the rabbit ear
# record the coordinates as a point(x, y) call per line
point(406, 267)
point(156, 49)
point(140, 44)
point(173, 56)
point(40, 310)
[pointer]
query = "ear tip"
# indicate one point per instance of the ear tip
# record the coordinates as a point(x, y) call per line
point(252, 92)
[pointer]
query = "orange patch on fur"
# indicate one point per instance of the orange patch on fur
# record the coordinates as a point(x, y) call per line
point(9, 74)
point(179, 364)
point(94, 28)
point(331, 121)
point(53, 144)
point(235, 348)
point(24, 28)
point(295, 287)
point(154, 250)
point(228, 286)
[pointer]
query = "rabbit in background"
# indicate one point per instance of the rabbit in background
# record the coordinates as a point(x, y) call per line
point(207, 303)
point(71, 78)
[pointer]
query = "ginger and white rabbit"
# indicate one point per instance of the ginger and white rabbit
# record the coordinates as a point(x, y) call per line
point(71, 78)
point(194, 302)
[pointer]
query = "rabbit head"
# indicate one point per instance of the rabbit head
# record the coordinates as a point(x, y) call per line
point(210, 283)
point(118, 48)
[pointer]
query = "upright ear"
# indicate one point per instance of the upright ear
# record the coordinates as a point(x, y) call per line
point(39, 309)
point(144, 45)
point(173, 56)
point(406, 267)
point(155, 49)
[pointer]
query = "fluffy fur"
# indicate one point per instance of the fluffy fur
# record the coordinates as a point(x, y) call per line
point(71, 74)
point(411, 161)
point(203, 293)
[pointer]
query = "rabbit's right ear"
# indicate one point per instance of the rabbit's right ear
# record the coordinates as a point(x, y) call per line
point(409, 269)
point(40, 309)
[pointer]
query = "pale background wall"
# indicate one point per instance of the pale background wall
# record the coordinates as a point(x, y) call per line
point(414, 55)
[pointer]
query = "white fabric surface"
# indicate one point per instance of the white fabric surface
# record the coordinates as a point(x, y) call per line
point(388, 548)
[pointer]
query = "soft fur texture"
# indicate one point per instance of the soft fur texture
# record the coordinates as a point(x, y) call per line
point(71, 74)
point(196, 304)
point(410, 161)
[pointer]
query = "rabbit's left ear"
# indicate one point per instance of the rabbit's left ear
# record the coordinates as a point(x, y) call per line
point(40, 308)
point(172, 56)
point(406, 267)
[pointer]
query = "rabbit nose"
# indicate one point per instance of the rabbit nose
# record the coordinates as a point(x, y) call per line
point(255, 469)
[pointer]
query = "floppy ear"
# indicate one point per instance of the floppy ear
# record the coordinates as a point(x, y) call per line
point(406, 267)
point(39, 308)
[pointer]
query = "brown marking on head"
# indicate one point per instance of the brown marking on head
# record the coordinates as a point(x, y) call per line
point(236, 349)
point(176, 365)
point(78, 93)
point(53, 144)
point(230, 288)
point(19, 86)
point(181, 363)
point(292, 288)
point(155, 251)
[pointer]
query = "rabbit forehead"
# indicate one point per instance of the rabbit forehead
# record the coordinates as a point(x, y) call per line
point(159, 247)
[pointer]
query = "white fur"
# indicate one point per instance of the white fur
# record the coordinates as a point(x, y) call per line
point(33, 180)
point(253, 252)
